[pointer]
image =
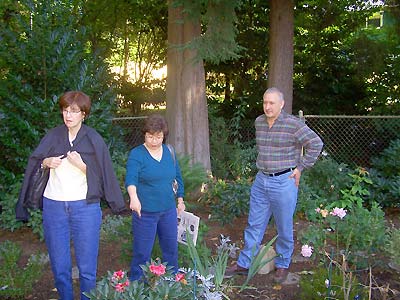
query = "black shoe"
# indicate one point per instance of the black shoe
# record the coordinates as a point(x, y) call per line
point(235, 270)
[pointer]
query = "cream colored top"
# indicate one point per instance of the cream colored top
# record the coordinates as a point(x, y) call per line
point(66, 183)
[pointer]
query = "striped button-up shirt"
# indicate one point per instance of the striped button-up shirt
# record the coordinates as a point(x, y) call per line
point(280, 147)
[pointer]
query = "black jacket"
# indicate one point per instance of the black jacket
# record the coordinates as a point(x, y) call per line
point(101, 180)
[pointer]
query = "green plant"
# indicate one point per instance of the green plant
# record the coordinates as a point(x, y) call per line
point(193, 175)
point(385, 170)
point(258, 262)
point(354, 195)
point(16, 281)
point(392, 246)
point(358, 233)
point(8, 200)
point(322, 184)
point(159, 283)
point(330, 283)
point(227, 199)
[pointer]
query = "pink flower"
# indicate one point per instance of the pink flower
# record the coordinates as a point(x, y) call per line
point(179, 277)
point(118, 275)
point(120, 287)
point(339, 212)
point(157, 270)
point(306, 250)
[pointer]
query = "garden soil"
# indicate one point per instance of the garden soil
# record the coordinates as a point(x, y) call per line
point(385, 281)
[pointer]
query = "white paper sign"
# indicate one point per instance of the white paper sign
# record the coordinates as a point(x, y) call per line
point(188, 227)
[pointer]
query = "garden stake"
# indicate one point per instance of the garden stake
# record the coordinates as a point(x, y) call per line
point(194, 281)
point(330, 274)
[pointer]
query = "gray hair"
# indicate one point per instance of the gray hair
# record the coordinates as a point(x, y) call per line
point(274, 90)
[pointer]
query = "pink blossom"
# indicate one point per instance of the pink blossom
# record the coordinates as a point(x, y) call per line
point(157, 270)
point(339, 212)
point(306, 250)
point(118, 275)
point(179, 277)
point(120, 287)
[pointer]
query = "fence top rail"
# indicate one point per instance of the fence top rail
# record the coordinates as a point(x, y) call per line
point(349, 117)
point(129, 118)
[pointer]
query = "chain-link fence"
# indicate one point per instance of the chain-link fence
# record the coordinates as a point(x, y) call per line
point(353, 140)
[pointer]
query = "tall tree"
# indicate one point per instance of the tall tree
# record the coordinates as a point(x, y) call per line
point(186, 98)
point(188, 47)
point(280, 71)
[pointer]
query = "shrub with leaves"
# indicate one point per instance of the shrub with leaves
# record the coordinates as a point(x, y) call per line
point(385, 170)
point(15, 281)
point(358, 233)
point(227, 199)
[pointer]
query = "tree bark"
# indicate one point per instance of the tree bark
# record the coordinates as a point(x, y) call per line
point(280, 73)
point(187, 113)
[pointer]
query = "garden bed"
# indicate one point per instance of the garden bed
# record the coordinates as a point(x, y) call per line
point(262, 286)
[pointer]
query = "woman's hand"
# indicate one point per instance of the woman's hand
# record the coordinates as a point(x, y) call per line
point(181, 206)
point(76, 160)
point(135, 205)
point(52, 162)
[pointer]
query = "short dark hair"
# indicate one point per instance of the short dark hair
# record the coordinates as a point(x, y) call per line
point(155, 123)
point(76, 97)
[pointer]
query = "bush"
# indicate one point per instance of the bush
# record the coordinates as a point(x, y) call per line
point(322, 184)
point(385, 170)
point(227, 199)
point(392, 246)
point(17, 282)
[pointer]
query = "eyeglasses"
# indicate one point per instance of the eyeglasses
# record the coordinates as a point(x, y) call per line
point(154, 137)
point(71, 112)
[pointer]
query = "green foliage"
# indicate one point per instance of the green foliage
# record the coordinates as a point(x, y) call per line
point(258, 262)
point(315, 287)
point(385, 172)
point(322, 184)
point(17, 281)
point(355, 195)
point(8, 199)
point(364, 234)
point(227, 199)
point(360, 234)
point(193, 175)
point(159, 283)
point(230, 160)
point(217, 43)
point(393, 245)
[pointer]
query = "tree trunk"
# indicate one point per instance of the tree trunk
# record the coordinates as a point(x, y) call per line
point(280, 73)
point(187, 112)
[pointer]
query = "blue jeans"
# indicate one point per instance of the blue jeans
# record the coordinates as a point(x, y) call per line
point(165, 226)
point(276, 196)
point(79, 221)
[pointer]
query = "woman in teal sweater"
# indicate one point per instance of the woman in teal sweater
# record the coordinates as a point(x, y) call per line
point(151, 171)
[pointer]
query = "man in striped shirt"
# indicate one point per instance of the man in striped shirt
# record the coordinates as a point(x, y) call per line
point(281, 139)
